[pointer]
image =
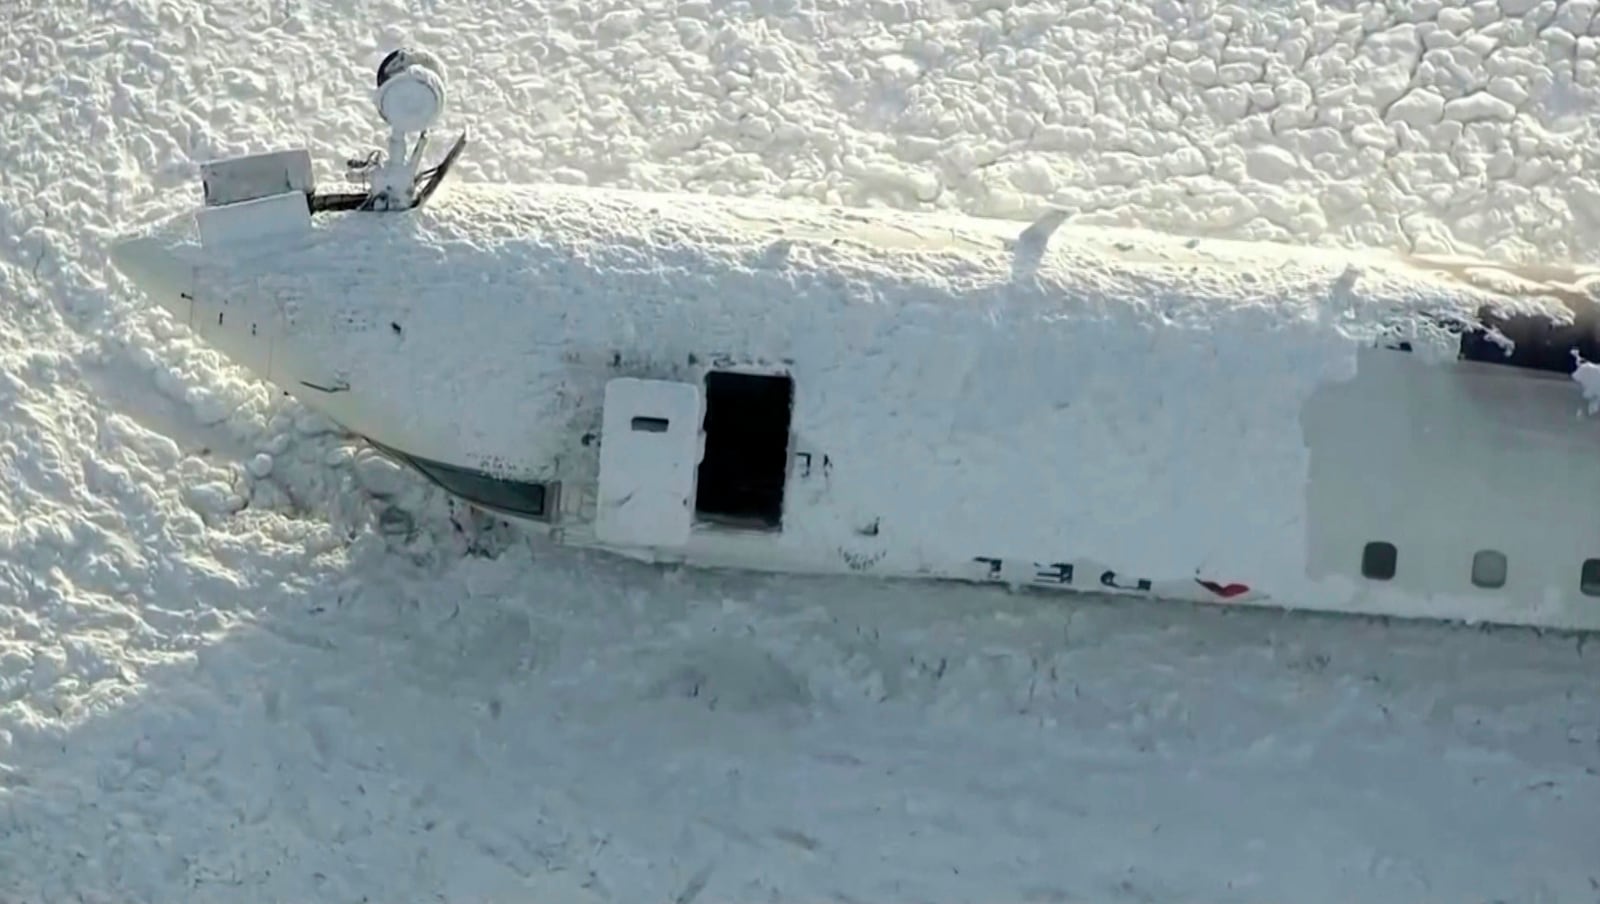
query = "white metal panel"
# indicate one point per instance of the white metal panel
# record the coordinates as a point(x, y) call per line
point(166, 278)
point(650, 449)
point(252, 221)
point(252, 176)
point(1449, 461)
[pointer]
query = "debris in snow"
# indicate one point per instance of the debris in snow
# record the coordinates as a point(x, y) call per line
point(1588, 377)
point(1030, 246)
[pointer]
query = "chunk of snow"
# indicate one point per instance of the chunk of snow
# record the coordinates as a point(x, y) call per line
point(1479, 106)
point(1271, 164)
point(1420, 107)
point(260, 465)
point(380, 475)
point(214, 499)
point(1514, 8)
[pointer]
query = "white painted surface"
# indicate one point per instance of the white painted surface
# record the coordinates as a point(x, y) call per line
point(252, 176)
point(249, 223)
point(650, 445)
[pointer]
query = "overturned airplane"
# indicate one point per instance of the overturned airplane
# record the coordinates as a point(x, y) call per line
point(788, 387)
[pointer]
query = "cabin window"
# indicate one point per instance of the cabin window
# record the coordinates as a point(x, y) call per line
point(1489, 569)
point(741, 477)
point(1379, 561)
point(1589, 577)
point(515, 497)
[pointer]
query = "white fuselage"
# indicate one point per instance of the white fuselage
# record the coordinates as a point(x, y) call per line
point(1093, 409)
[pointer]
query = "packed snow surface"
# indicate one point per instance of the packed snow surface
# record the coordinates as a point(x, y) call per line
point(242, 659)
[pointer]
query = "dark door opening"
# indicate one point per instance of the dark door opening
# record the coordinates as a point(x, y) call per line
point(746, 460)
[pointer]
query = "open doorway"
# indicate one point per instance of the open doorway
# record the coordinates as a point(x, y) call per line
point(746, 462)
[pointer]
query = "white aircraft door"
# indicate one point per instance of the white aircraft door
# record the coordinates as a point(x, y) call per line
point(651, 444)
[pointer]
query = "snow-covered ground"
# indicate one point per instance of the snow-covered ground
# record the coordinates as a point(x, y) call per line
point(241, 660)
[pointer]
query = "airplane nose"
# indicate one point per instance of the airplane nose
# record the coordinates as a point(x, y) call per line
point(159, 273)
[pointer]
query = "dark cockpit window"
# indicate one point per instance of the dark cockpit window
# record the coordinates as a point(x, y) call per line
point(530, 500)
point(476, 486)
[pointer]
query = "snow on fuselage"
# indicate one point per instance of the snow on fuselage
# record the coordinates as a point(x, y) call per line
point(1092, 408)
